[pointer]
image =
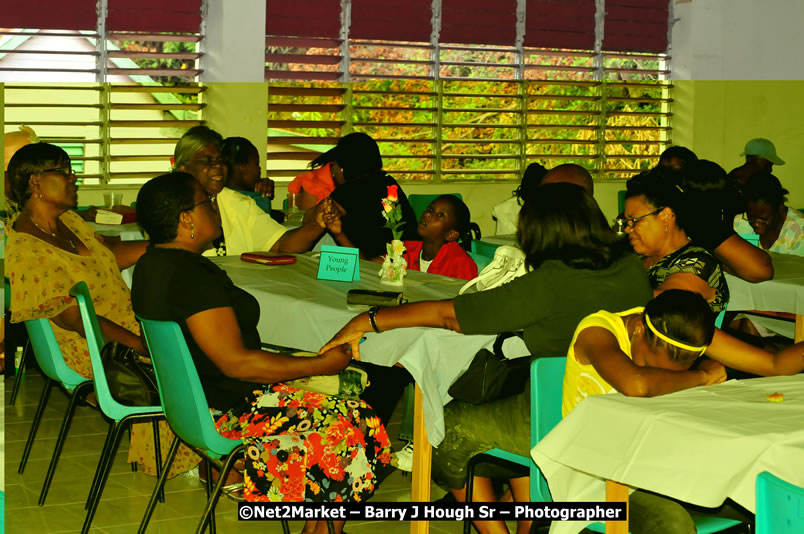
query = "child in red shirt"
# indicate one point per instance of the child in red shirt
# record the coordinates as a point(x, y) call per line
point(444, 228)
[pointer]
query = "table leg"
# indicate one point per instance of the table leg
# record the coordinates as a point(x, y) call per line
point(422, 453)
point(616, 492)
point(799, 335)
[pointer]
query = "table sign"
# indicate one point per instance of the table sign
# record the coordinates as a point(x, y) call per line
point(339, 263)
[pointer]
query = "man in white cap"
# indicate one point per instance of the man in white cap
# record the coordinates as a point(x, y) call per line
point(760, 157)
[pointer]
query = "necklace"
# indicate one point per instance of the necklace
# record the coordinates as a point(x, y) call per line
point(52, 234)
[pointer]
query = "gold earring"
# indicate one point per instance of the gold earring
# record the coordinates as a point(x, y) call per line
point(192, 231)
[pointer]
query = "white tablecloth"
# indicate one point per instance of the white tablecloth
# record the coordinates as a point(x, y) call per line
point(784, 293)
point(300, 311)
point(700, 445)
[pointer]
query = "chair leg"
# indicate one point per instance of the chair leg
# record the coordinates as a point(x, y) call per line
point(216, 492)
point(18, 378)
point(160, 485)
point(78, 393)
point(285, 527)
point(99, 469)
point(35, 425)
point(470, 479)
point(157, 454)
point(107, 459)
point(330, 527)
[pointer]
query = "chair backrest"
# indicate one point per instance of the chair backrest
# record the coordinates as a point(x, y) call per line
point(48, 354)
point(780, 506)
point(484, 248)
point(183, 398)
point(751, 238)
point(92, 332)
point(420, 202)
point(546, 382)
point(480, 260)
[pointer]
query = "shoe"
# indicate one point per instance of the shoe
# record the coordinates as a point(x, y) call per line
point(404, 458)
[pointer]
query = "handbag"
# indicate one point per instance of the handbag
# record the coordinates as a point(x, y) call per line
point(491, 375)
point(348, 384)
point(508, 263)
point(131, 380)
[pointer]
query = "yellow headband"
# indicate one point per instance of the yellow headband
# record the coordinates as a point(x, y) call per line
point(672, 341)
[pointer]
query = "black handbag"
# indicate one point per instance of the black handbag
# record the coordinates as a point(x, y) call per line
point(132, 382)
point(491, 375)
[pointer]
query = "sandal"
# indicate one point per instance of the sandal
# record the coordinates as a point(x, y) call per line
point(235, 492)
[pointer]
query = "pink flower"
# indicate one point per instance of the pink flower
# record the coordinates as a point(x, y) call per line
point(393, 195)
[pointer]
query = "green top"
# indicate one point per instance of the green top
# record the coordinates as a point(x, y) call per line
point(549, 302)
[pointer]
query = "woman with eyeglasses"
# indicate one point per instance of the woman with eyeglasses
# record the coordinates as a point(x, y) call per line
point(780, 229)
point(655, 232)
point(50, 248)
point(246, 227)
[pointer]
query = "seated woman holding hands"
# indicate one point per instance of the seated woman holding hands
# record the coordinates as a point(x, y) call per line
point(445, 231)
point(644, 352)
point(655, 233)
point(335, 448)
point(246, 227)
point(578, 267)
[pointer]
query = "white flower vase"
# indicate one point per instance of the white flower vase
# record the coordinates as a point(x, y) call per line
point(394, 267)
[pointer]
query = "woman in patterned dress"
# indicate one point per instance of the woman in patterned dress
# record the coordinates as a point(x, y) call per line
point(301, 446)
point(672, 261)
point(49, 249)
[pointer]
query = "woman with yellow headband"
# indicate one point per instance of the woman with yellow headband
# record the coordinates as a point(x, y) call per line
point(644, 352)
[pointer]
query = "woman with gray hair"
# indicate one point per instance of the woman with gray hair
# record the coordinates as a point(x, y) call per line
point(246, 227)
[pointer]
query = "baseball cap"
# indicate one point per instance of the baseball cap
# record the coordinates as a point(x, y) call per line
point(764, 149)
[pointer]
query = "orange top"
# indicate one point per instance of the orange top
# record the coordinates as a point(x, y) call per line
point(317, 182)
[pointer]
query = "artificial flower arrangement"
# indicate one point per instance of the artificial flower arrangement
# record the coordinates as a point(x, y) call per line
point(394, 267)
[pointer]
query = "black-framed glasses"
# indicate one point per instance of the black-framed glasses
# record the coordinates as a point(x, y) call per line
point(630, 222)
point(756, 220)
point(64, 171)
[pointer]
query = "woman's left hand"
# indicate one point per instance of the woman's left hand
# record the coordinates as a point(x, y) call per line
point(350, 335)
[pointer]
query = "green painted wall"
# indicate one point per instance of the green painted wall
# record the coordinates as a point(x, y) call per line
point(716, 118)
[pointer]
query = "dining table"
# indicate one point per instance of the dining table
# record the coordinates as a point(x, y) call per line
point(701, 445)
point(783, 293)
point(299, 310)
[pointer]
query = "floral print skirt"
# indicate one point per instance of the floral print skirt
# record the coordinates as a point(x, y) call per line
point(305, 446)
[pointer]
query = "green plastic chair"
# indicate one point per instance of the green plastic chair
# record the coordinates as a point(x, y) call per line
point(420, 202)
point(121, 415)
point(187, 411)
point(484, 248)
point(780, 506)
point(48, 355)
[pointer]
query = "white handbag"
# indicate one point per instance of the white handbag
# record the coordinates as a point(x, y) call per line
point(508, 263)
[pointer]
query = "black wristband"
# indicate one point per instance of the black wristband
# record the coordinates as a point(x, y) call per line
point(372, 318)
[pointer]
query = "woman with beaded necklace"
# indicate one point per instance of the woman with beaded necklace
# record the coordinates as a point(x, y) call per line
point(49, 249)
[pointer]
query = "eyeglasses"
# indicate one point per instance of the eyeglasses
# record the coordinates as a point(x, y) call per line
point(64, 171)
point(631, 222)
point(756, 220)
point(209, 161)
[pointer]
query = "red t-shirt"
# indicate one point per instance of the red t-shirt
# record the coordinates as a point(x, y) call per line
point(451, 260)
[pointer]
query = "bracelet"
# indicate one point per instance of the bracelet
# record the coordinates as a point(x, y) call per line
point(372, 313)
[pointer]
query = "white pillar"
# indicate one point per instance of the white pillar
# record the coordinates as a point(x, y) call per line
point(234, 47)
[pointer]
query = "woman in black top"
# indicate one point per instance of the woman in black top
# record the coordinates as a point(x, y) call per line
point(300, 445)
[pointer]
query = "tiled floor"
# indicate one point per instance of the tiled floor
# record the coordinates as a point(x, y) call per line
point(127, 493)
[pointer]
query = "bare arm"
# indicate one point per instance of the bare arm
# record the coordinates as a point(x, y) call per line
point(217, 334)
point(689, 282)
point(303, 238)
point(739, 355)
point(742, 259)
point(598, 346)
point(305, 200)
point(126, 253)
point(70, 319)
point(431, 313)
